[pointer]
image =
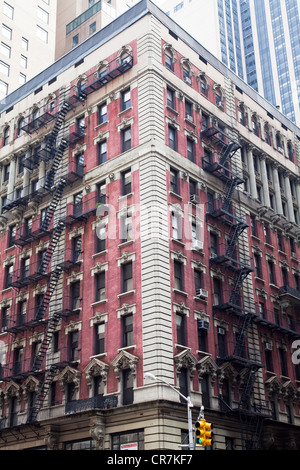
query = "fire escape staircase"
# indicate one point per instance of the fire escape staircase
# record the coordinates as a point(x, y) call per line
point(60, 118)
point(250, 422)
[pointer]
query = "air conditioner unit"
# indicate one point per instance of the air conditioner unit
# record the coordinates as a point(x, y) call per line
point(202, 324)
point(3, 329)
point(201, 293)
point(221, 331)
point(197, 245)
point(220, 105)
point(195, 198)
point(268, 346)
point(187, 80)
point(294, 255)
point(188, 116)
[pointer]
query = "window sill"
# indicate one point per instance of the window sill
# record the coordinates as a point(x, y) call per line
point(176, 195)
point(172, 109)
point(123, 294)
point(269, 246)
point(259, 279)
point(178, 291)
point(128, 242)
point(274, 285)
point(124, 196)
point(178, 241)
point(100, 253)
point(101, 125)
point(125, 110)
point(199, 299)
point(126, 348)
point(99, 302)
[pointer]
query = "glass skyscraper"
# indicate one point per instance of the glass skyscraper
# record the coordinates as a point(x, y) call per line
point(259, 40)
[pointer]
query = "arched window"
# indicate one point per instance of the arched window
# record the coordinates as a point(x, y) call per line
point(6, 136)
point(21, 123)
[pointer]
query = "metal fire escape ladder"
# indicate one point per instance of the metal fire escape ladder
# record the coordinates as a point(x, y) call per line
point(49, 181)
point(48, 294)
point(51, 247)
point(41, 395)
point(53, 204)
point(60, 118)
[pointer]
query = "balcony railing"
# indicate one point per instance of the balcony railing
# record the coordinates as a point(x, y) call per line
point(114, 69)
point(100, 402)
point(232, 352)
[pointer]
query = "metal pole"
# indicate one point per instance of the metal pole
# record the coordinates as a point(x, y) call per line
point(148, 375)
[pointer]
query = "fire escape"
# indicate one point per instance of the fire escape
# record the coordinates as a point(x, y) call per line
point(233, 256)
point(51, 152)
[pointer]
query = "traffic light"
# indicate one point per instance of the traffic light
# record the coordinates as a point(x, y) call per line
point(203, 433)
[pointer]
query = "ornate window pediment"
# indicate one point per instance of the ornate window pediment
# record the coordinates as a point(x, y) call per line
point(94, 369)
point(125, 360)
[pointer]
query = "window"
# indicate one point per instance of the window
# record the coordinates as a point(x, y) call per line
point(169, 60)
point(3, 88)
point(12, 235)
point(6, 31)
point(77, 200)
point(8, 275)
point(120, 441)
point(276, 316)
point(198, 279)
point(190, 149)
point(126, 182)
point(268, 359)
point(127, 329)
point(73, 346)
point(99, 338)
point(102, 152)
point(43, 15)
point(4, 319)
point(126, 226)
point(172, 137)
point(125, 99)
point(6, 169)
point(193, 187)
point(42, 34)
point(75, 40)
point(282, 359)
point(21, 123)
point(127, 280)
point(170, 98)
point(217, 291)
point(24, 61)
point(213, 244)
point(4, 68)
point(101, 238)
point(176, 226)
point(80, 164)
point(76, 248)
point(101, 192)
point(102, 113)
point(180, 329)
point(202, 337)
point(75, 295)
point(183, 383)
point(24, 44)
point(221, 337)
point(188, 110)
point(257, 265)
point(174, 186)
point(92, 28)
point(267, 234)
point(8, 10)
point(205, 382)
point(253, 225)
point(126, 139)
point(5, 50)
point(22, 312)
point(100, 286)
point(271, 272)
point(25, 267)
point(178, 275)
point(127, 387)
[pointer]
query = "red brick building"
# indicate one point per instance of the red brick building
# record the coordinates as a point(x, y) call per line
point(150, 208)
